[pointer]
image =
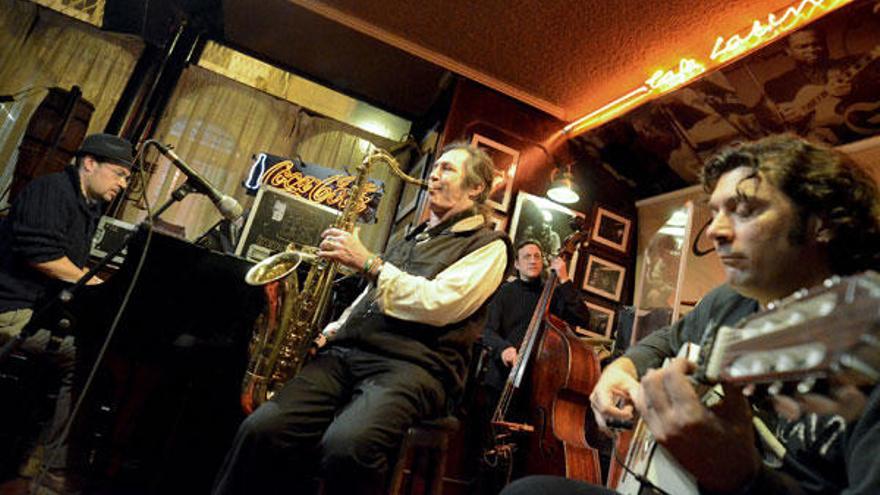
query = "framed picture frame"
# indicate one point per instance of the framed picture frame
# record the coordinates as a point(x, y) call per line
point(604, 277)
point(611, 229)
point(505, 160)
point(601, 318)
point(412, 193)
point(544, 221)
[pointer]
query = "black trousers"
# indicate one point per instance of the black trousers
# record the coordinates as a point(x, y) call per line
point(341, 419)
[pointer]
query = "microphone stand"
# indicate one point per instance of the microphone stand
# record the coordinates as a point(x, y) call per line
point(65, 295)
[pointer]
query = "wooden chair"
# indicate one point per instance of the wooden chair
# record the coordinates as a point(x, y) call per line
point(421, 463)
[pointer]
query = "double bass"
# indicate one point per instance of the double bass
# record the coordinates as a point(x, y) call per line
point(561, 374)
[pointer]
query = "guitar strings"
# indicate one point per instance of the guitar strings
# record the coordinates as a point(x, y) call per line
point(643, 481)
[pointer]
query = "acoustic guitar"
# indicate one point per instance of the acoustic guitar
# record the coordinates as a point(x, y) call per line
point(832, 331)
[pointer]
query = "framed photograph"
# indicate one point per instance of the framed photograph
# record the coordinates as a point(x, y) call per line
point(411, 195)
point(505, 159)
point(611, 230)
point(604, 278)
point(601, 318)
point(544, 221)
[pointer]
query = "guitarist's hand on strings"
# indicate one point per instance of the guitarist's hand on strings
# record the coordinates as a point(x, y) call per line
point(613, 394)
point(716, 445)
point(792, 113)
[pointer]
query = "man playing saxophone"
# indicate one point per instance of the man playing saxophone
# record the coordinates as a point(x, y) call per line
point(400, 353)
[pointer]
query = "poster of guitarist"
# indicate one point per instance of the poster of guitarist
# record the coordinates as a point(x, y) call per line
point(832, 100)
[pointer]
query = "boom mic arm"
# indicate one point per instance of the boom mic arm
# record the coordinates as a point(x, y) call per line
point(227, 205)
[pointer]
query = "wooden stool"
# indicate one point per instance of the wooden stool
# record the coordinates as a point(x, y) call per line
point(421, 464)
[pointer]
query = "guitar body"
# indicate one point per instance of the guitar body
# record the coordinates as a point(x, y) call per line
point(649, 460)
point(820, 108)
point(652, 462)
point(563, 375)
point(827, 113)
point(622, 441)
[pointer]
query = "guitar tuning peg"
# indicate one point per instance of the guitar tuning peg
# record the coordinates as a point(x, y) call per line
point(870, 340)
point(831, 281)
point(775, 388)
point(806, 385)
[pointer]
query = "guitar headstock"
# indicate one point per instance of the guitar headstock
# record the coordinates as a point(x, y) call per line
point(830, 330)
point(578, 235)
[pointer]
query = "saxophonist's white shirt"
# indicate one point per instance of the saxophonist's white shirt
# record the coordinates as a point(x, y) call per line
point(453, 295)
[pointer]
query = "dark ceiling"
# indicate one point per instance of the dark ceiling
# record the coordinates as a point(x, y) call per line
point(563, 57)
point(323, 50)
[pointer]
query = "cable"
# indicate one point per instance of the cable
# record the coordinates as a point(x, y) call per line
point(644, 482)
point(54, 448)
point(694, 248)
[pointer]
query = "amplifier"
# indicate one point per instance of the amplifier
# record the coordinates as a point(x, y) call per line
point(111, 234)
point(278, 218)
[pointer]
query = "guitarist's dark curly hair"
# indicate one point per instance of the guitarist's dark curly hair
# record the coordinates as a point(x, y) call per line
point(821, 182)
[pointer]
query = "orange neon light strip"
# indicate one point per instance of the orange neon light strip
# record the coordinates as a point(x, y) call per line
point(724, 51)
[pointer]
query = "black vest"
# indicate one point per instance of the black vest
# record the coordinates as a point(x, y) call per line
point(444, 351)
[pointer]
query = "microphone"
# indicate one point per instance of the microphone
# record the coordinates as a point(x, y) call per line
point(227, 205)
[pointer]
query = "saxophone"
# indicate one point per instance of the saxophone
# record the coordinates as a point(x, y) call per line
point(285, 331)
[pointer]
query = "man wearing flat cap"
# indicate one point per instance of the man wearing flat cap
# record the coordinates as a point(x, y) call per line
point(47, 237)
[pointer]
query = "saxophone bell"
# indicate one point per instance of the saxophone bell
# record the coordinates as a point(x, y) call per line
point(273, 268)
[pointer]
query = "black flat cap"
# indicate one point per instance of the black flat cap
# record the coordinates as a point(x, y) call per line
point(108, 148)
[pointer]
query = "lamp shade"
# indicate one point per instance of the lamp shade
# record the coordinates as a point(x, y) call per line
point(562, 188)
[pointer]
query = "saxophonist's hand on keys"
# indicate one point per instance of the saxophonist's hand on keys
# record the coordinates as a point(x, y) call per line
point(343, 247)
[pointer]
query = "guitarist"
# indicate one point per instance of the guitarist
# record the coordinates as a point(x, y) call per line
point(786, 214)
point(798, 93)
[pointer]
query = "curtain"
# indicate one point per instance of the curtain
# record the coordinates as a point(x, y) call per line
point(91, 11)
point(216, 126)
point(332, 144)
point(41, 49)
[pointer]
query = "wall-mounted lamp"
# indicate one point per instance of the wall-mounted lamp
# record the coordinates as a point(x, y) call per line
point(562, 187)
